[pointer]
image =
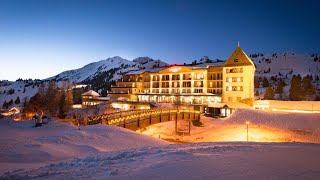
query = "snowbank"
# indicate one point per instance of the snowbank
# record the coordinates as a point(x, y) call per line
point(23, 144)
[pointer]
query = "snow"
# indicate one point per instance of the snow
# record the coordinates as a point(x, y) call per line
point(264, 127)
point(60, 151)
point(302, 64)
point(91, 70)
point(22, 144)
point(188, 161)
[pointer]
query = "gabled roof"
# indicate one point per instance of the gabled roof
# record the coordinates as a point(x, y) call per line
point(238, 58)
point(90, 93)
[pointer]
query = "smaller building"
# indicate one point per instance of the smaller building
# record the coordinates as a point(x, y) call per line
point(92, 98)
point(224, 109)
point(130, 105)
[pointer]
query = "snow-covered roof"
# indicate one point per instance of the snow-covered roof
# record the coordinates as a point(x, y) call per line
point(145, 70)
point(90, 93)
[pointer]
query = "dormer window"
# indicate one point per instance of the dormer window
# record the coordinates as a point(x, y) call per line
point(235, 60)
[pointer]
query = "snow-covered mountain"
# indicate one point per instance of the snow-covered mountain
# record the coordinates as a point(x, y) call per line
point(93, 69)
point(101, 73)
point(98, 73)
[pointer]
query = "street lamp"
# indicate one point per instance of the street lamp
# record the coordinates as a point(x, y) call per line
point(247, 130)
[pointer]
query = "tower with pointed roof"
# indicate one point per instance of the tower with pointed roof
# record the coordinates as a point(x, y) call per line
point(238, 77)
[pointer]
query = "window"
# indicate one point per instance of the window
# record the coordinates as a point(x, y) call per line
point(235, 70)
point(198, 91)
point(155, 84)
point(210, 84)
point(165, 84)
point(186, 76)
point(176, 77)
point(155, 78)
point(186, 84)
point(234, 88)
point(199, 76)
point(165, 77)
point(175, 84)
point(198, 84)
point(235, 60)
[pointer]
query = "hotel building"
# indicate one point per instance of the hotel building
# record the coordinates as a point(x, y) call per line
point(203, 85)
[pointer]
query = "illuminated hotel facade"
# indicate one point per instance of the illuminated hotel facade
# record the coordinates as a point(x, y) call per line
point(230, 81)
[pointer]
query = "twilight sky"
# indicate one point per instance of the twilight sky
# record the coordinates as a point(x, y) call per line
point(41, 38)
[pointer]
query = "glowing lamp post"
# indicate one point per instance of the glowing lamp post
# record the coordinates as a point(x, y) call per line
point(247, 130)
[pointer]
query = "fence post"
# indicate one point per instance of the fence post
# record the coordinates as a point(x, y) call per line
point(150, 118)
point(138, 122)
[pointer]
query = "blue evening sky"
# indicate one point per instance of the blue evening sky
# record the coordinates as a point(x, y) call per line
point(41, 38)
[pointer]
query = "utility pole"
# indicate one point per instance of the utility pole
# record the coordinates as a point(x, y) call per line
point(247, 131)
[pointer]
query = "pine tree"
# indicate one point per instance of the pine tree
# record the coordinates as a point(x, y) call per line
point(269, 93)
point(257, 93)
point(307, 87)
point(52, 98)
point(295, 88)
point(5, 105)
point(256, 83)
point(265, 82)
point(280, 84)
point(17, 101)
point(10, 103)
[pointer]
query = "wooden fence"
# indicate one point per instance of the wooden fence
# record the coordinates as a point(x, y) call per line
point(141, 118)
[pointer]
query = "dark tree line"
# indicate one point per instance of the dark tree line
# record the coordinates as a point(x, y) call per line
point(52, 100)
point(102, 81)
point(301, 88)
point(7, 105)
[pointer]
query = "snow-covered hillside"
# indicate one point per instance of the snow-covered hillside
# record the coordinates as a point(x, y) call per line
point(23, 145)
point(91, 70)
point(275, 66)
point(285, 64)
